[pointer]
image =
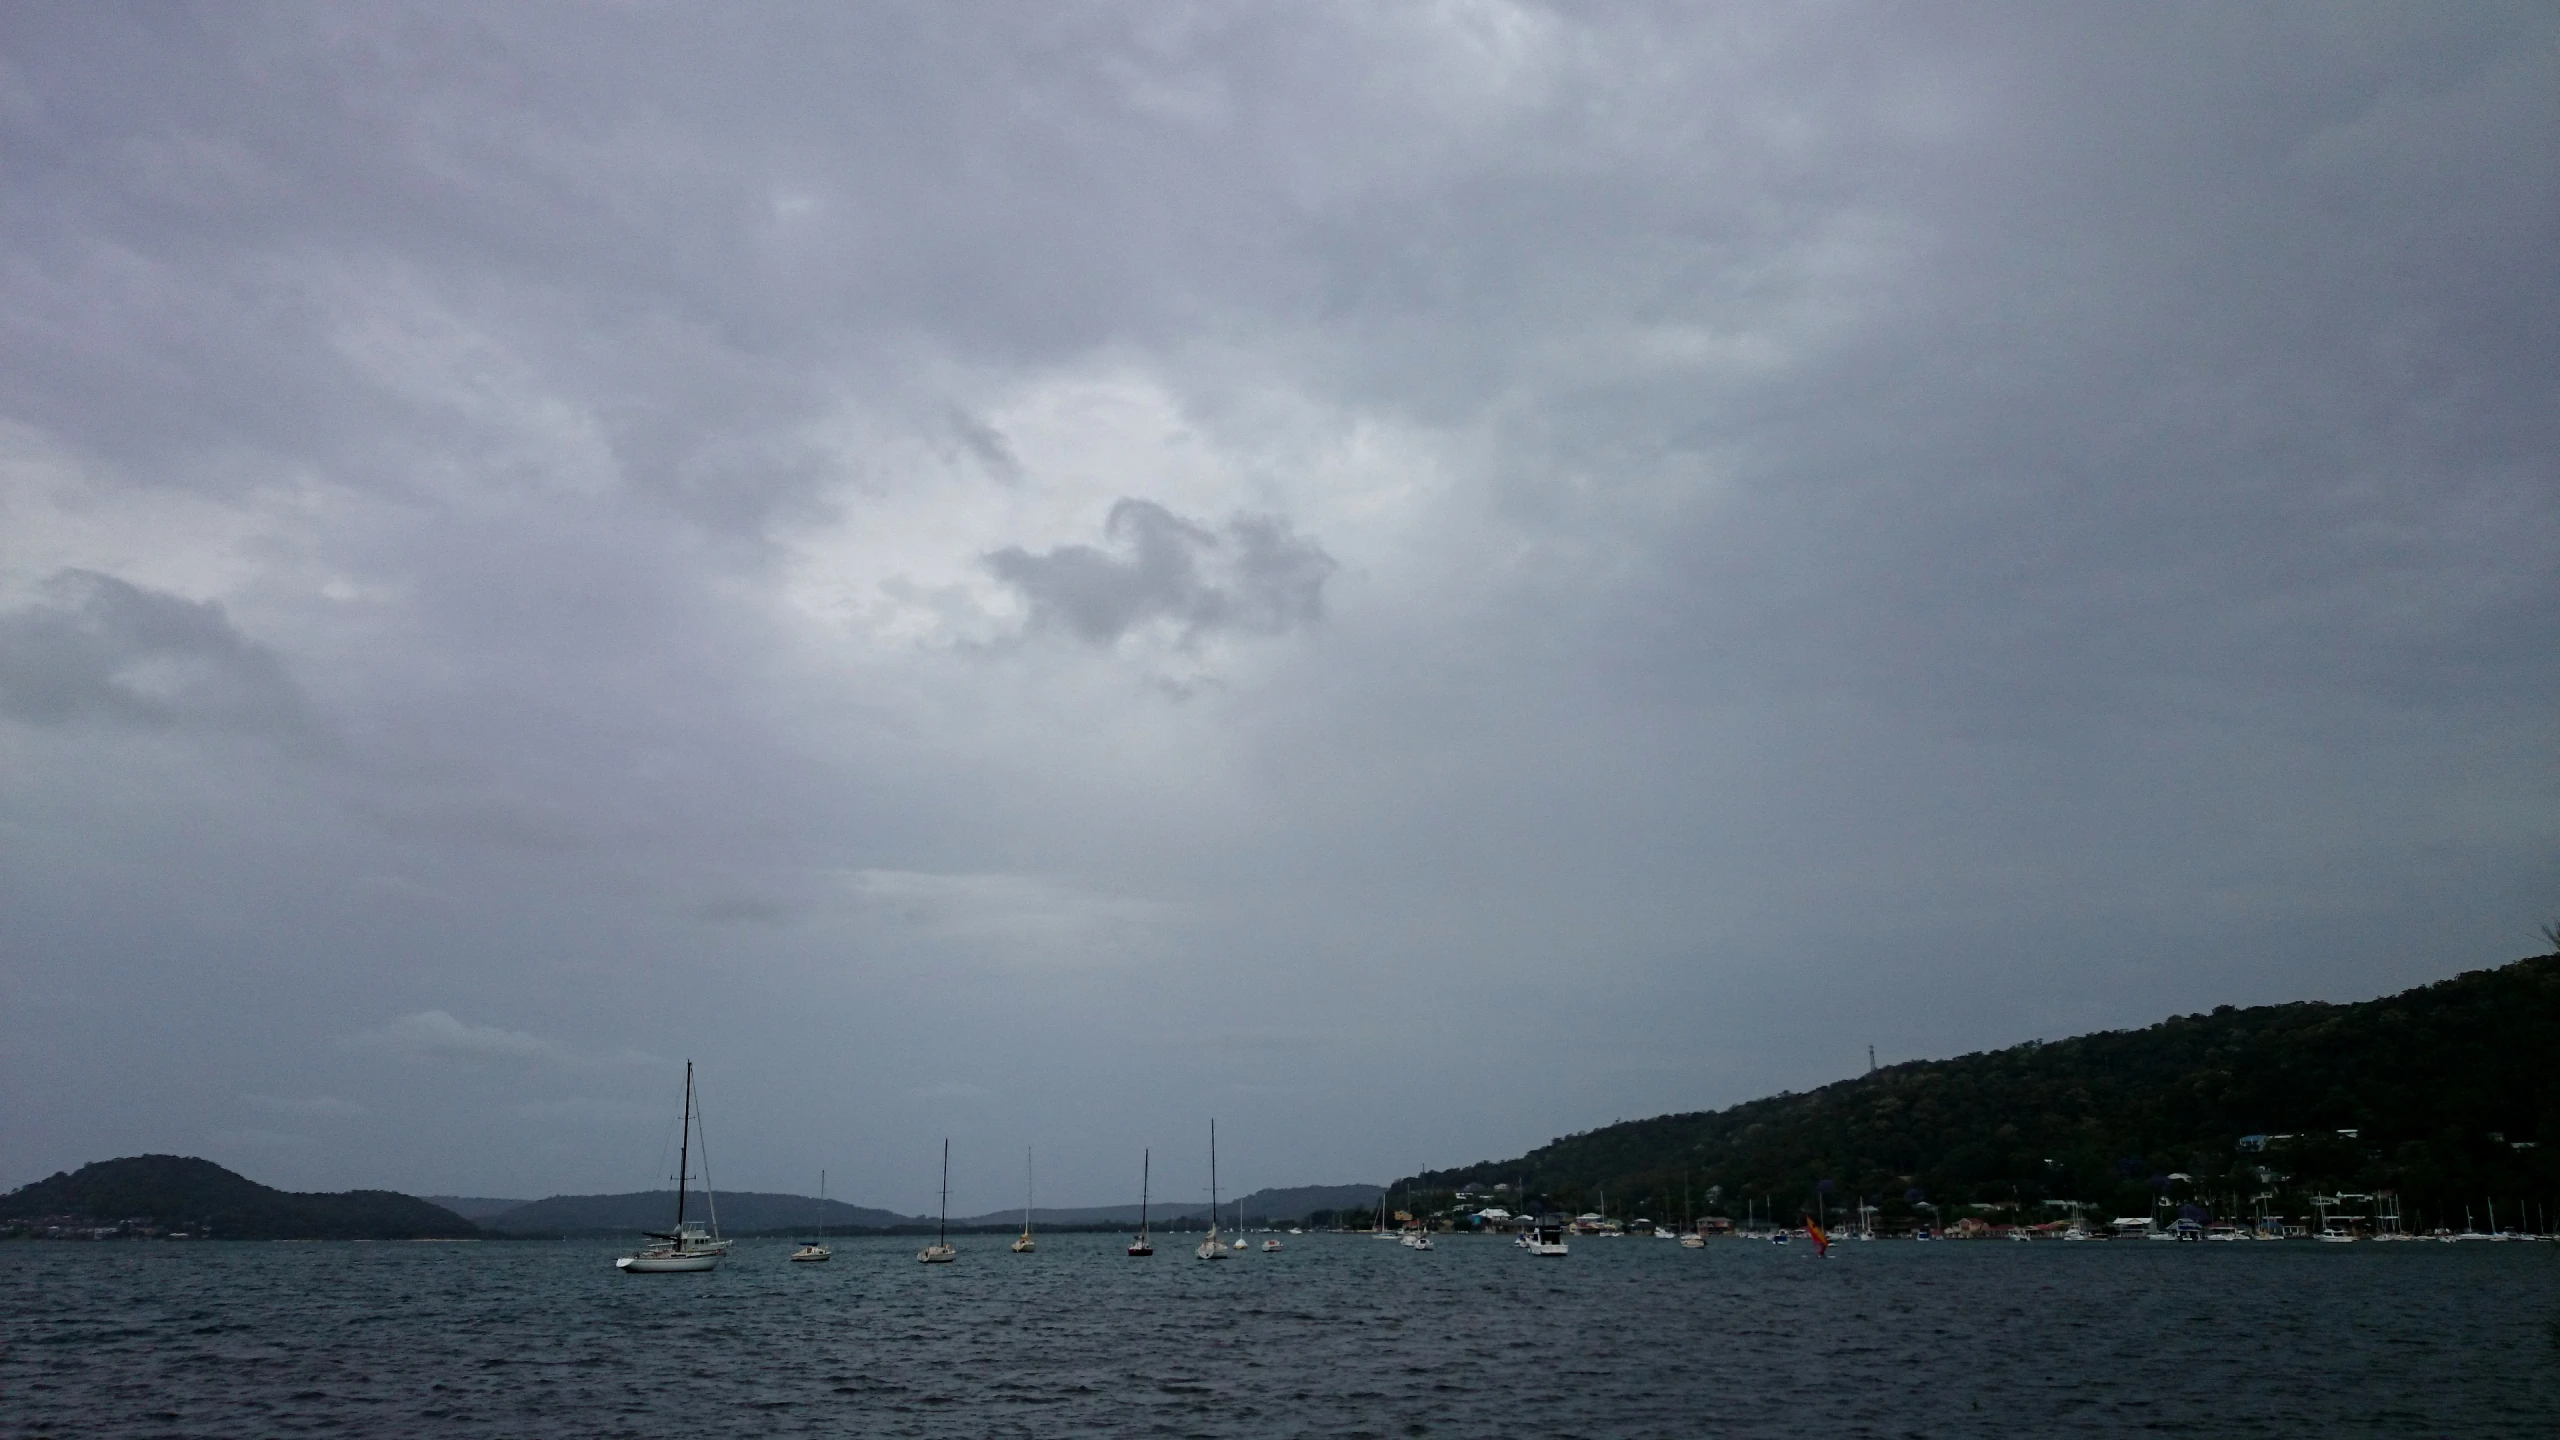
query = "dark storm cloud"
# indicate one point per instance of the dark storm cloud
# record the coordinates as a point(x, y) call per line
point(1255, 578)
point(98, 649)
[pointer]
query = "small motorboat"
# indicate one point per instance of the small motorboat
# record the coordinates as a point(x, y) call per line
point(1270, 1245)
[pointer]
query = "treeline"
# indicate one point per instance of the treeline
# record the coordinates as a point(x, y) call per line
point(2447, 1096)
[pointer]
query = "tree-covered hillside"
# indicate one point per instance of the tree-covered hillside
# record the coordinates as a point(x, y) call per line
point(2447, 1095)
point(179, 1192)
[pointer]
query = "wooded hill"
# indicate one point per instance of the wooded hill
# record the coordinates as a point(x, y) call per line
point(2448, 1095)
point(181, 1193)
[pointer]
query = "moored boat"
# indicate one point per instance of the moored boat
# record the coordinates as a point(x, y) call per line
point(687, 1247)
point(1212, 1248)
point(940, 1251)
point(1140, 1247)
point(1022, 1244)
point(813, 1250)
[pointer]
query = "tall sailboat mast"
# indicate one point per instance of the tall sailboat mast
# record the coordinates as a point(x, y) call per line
point(684, 1156)
point(1141, 1247)
point(1211, 1249)
point(1022, 1243)
point(685, 1247)
point(940, 1251)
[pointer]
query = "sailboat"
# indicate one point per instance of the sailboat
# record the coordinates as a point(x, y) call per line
point(1241, 1242)
point(940, 1251)
point(1022, 1243)
point(1211, 1249)
point(1141, 1246)
point(688, 1246)
point(1378, 1228)
point(810, 1249)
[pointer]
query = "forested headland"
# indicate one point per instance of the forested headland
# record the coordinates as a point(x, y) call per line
point(155, 1195)
point(2441, 1097)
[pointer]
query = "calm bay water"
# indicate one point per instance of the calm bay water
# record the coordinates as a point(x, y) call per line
point(1336, 1335)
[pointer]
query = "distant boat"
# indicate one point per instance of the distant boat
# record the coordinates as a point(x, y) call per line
point(1210, 1249)
point(688, 1246)
point(812, 1250)
point(1022, 1243)
point(1544, 1237)
point(940, 1251)
point(1141, 1246)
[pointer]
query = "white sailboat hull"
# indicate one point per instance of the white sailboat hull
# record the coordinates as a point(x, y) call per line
point(665, 1264)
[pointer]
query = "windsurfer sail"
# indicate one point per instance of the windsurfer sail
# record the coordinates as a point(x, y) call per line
point(1821, 1241)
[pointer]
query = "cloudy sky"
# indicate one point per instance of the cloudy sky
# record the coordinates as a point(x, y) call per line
point(1410, 577)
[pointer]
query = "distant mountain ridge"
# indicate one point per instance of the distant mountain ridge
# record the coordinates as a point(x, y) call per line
point(2443, 1096)
point(180, 1192)
point(739, 1212)
point(748, 1211)
point(473, 1207)
point(1271, 1206)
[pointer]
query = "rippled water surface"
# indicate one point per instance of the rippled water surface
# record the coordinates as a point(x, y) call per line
point(1336, 1335)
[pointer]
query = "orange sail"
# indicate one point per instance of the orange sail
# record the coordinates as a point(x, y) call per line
point(1821, 1242)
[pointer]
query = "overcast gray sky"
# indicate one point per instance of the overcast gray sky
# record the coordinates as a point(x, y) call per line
point(1413, 578)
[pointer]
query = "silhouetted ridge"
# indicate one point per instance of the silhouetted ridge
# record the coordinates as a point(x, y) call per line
point(2447, 1094)
point(182, 1192)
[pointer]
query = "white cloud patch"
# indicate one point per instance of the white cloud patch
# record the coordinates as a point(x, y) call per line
point(434, 1035)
